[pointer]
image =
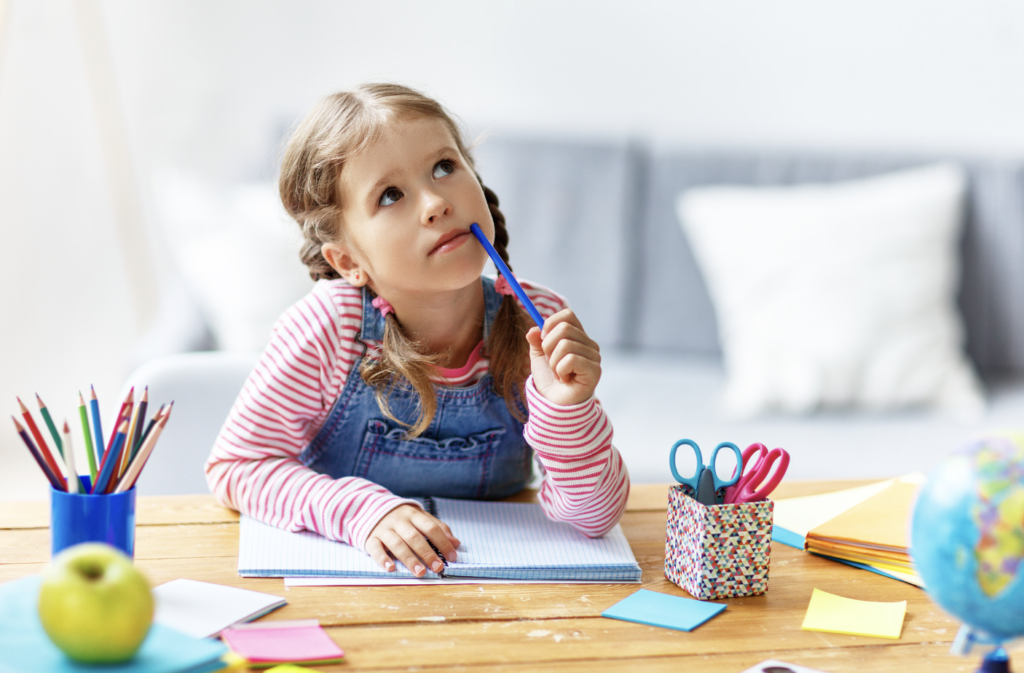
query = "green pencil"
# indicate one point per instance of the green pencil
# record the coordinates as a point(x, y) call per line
point(49, 424)
point(88, 436)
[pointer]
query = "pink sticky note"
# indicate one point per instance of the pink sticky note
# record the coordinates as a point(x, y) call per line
point(301, 640)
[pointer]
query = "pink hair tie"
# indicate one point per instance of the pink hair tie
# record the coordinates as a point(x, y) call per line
point(501, 286)
point(383, 305)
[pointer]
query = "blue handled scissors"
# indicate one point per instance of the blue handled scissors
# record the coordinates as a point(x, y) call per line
point(706, 483)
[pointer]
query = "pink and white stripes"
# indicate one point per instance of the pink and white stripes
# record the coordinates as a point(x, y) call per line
point(254, 464)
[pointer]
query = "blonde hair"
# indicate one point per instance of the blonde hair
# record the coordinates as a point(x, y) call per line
point(341, 126)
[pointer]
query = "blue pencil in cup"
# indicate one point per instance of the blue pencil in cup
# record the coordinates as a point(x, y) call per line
point(507, 273)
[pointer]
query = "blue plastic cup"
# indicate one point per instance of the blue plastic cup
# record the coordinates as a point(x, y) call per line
point(78, 517)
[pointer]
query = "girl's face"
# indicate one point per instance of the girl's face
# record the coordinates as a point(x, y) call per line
point(408, 201)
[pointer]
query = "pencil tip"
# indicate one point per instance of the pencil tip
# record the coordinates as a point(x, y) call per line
point(21, 404)
point(66, 428)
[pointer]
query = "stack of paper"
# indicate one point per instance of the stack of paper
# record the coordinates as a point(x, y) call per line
point(866, 527)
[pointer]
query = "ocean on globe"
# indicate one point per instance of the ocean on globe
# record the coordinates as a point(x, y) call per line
point(967, 536)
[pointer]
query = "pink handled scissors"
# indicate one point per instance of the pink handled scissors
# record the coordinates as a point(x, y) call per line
point(759, 478)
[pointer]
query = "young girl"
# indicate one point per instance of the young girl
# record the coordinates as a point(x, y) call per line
point(405, 372)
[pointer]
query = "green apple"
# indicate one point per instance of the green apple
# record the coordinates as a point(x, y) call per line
point(94, 604)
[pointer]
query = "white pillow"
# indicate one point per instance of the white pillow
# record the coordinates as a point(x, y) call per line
point(238, 251)
point(837, 295)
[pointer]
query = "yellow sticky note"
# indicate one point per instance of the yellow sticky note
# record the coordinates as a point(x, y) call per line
point(290, 668)
point(835, 614)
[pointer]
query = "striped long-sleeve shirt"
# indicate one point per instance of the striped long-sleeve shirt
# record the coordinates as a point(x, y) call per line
point(254, 465)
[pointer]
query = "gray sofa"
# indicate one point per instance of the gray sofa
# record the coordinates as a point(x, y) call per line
point(596, 222)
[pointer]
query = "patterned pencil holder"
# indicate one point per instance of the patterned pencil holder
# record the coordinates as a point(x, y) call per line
point(718, 552)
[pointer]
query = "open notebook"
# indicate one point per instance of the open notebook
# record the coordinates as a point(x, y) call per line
point(500, 540)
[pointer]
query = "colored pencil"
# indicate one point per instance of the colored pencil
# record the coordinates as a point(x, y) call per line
point(128, 400)
point(149, 429)
point(110, 460)
point(50, 476)
point(507, 273)
point(140, 417)
point(74, 485)
point(89, 453)
point(134, 431)
point(50, 426)
point(131, 475)
point(97, 425)
point(40, 442)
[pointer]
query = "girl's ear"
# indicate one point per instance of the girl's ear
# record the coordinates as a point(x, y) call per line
point(342, 261)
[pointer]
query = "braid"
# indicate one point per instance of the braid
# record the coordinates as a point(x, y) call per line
point(507, 347)
point(500, 232)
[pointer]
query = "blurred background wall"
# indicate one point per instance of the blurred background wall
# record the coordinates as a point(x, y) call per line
point(104, 103)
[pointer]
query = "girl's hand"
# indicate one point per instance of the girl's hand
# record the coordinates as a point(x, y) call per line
point(566, 363)
point(404, 532)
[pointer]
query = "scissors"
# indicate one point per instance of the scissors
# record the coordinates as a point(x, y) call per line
point(758, 473)
point(706, 483)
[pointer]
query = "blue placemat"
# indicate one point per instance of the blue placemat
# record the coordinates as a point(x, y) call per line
point(670, 612)
point(25, 648)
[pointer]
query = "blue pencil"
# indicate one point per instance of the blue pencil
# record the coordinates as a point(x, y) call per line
point(507, 273)
point(94, 405)
point(111, 460)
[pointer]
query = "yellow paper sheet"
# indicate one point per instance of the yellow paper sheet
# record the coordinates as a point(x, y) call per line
point(835, 614)
point(881, 520)
point(801, 515)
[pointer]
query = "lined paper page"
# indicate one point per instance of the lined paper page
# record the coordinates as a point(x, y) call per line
point(500, 540)
point(507, 540)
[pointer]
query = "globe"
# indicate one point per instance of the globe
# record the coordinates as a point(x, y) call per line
point(967, 536)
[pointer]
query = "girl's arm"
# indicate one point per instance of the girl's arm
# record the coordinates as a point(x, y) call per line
point(586, 483)
point(254, 465)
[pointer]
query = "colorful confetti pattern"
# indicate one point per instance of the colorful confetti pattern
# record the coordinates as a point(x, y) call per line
point(718, 552)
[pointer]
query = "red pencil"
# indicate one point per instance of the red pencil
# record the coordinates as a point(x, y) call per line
point(41, 443)
point(53, 479)
point(128, 400)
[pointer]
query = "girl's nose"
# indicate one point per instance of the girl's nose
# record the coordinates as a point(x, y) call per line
point(434, 206)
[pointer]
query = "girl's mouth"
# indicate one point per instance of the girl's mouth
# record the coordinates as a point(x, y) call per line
point(450, 241)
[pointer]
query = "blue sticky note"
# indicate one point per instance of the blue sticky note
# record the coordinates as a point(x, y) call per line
point(670, 612)
point(25, 647)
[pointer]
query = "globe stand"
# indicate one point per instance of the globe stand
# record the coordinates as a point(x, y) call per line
point(996, 661)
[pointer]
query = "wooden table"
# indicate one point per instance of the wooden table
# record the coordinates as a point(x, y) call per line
point(528, 628)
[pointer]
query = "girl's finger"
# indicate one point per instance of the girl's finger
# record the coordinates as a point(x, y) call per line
point(566, 315)
point(375, 548)
point(396, 544)
point(566, 348)
point(436, 535)
point(451, 536)
point(581, 370)
point(419, 545)
point(567, 332)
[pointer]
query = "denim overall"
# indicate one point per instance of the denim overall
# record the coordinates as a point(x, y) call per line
point(473, 448)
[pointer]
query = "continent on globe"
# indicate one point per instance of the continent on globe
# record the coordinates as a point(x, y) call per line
point(998, 514)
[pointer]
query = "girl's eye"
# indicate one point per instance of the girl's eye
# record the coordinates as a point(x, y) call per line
point(390, 196)
point(443, 168)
